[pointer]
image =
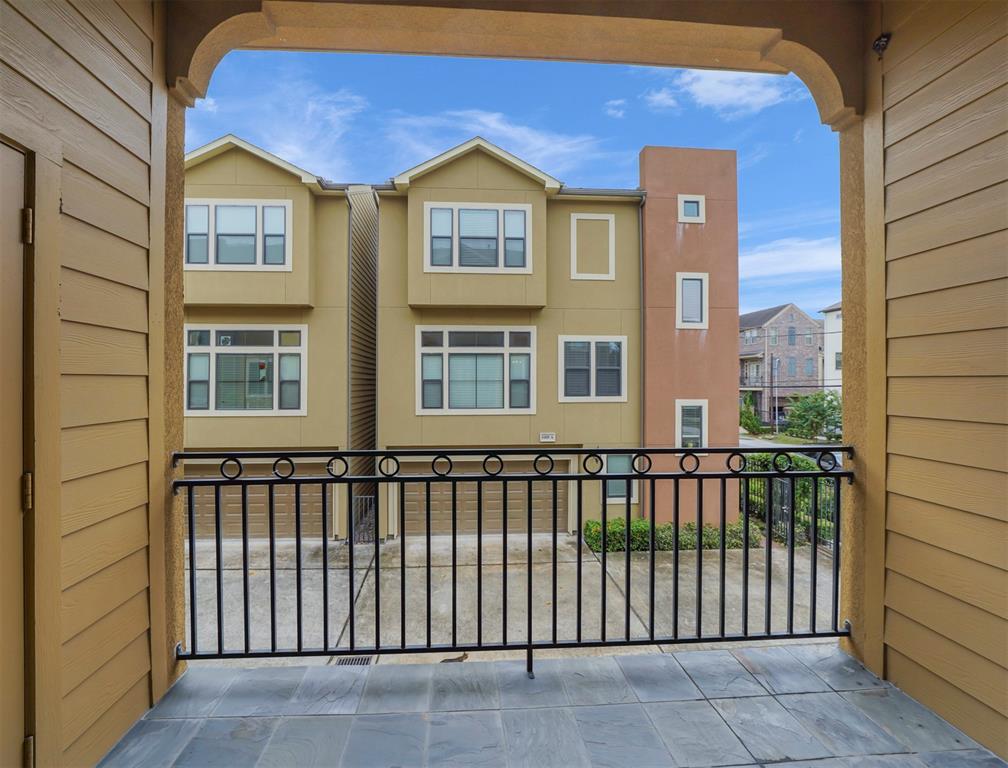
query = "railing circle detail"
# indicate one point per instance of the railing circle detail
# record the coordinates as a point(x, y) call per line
point(238, 468)
point(641, 469)
point(743, 462)
point(434, 465)
point(788, 463)
point(599, 461)
point(694, 467)
point(832, 461)
point(276, 468)
point(500, 464)
point(549, 467)
point(330, 466)
point(395, 467)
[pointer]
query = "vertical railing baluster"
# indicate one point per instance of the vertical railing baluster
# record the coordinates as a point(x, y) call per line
point(836, 554)
point(427, 492)
point(402, 563)
point(723, 519)
point(745, 556)
point(699, 557)
point(479, 563)
point(191, 515)
point(651, 556)
point(271, 502)
point(554, 602)
point(454, 545)
point(247, 618)
point(504, 564)
point(768, 565)
point(297, 571)
point(325, 566)
point(580, 542)
point(351, 539)
point(626, 576)
point(377, 567)
point(605, 547)
point(814, 557)
point(791, 554)
point(528, 578)
point(220, 568)
point(675, 558)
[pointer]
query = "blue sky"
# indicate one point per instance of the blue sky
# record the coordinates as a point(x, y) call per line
point(365, 117)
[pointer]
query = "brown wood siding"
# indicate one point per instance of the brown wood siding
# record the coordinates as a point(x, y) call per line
point(363, 317)
point(945, 102)
point(80, 87)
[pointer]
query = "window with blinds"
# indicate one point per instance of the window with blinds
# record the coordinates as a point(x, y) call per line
point(593, 368)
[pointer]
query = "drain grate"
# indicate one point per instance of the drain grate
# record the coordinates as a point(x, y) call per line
point(354, 661)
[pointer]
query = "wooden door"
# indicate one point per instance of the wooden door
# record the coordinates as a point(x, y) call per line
point(12, 657)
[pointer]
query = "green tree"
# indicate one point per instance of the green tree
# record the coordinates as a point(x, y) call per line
point(816, 415)
point(748, 419)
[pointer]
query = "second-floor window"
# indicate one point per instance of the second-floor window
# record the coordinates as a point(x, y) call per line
point(593, 368)
point(477, 237)
point(246, 370)
point(809, 366)
point(773, 337)
point(838, 360)
point(691, 300)
point(475, 370)
point(239, 235)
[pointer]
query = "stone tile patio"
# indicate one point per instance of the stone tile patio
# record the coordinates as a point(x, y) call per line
point(797, 705)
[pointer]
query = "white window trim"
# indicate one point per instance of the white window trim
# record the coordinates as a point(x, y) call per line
point(678, 421)
point(611, 273)
point(683, 218)
point(704, 277)
point(259, 203)
point(445, 350)
point(592, 398)
point(618, 500)
point(212, 350)
point(500, 269)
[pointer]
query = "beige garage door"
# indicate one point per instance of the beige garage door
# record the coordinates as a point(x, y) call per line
point(258, 505)
point(466, 501)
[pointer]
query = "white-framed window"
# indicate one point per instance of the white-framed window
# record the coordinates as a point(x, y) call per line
point(592, 369)
point(246, 370)
point(616, 490)
point(809, 337)
point(692, 209)
point(691, 423)
point(773, 337)
point(792, 336)
point(838, 360)
point(610, 272)
point(691, 300)
point(238, 235)
point(478, 237)
point(475, 369)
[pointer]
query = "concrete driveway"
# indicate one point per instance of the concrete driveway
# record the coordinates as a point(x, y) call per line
point(412, 582)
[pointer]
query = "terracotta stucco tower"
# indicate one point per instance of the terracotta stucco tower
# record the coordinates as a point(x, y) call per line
point(690, 363)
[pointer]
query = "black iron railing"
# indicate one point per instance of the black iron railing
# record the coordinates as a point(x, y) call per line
point(472, 549)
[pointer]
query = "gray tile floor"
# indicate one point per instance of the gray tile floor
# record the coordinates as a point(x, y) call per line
point(809, 706)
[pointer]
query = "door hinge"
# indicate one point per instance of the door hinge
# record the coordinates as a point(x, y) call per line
point(27, 226)
point(27, 491)
point(28, 752)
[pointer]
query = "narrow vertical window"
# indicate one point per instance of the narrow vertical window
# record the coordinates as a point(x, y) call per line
point(792, 367)
point(692, 297)
point(792, 336)
point(198, 381)
point(477, 238)
point(197, 221)
point(514, 238)
point(773, 337)
point(608, 368)
point(809, 366)
point(289, 396)
point(235, 228)
point(274, 234)
point(691, 426)
point(617, 464)
point(838, 361)
point(519, 379)
point(441, 237)
point(577, 369)
point(432, 381)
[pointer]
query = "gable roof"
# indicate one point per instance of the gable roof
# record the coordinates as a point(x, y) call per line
point(230, 141)
point(402, 181)
point(832, 308)
point(760, 317)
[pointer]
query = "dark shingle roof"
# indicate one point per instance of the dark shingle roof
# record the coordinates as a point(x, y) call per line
point(757, 318)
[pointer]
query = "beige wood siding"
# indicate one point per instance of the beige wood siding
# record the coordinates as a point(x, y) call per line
point(363, 318)
point(945, 103)
point(82, 90)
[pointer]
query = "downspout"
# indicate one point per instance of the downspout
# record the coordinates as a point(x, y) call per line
point(643, 325)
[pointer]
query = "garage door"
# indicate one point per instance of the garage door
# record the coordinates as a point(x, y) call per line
point(441, 502)
point(258, 505)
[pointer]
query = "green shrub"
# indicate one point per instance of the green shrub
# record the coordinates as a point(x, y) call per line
point(640, 536)
point(756, 496)
point(748, 419)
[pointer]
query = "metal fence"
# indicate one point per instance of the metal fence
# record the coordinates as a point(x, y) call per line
point(665, 563)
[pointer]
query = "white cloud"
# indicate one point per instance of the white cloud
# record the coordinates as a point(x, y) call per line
point(209, 104)
point(791, 260)
point(789, 220)
point(615, 107)
point(660, 99)
point(737, 94)
point(416, 138)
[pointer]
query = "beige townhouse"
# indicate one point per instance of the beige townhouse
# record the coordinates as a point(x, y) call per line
point(517, 312)
point(280, 280)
